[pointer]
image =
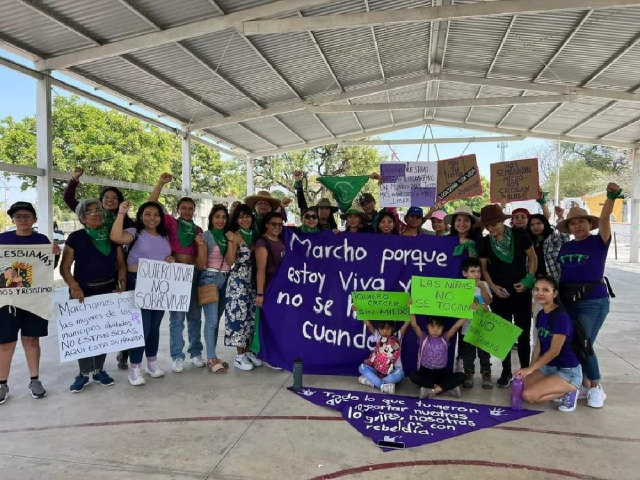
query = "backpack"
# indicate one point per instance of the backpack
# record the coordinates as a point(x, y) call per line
point(581, 343)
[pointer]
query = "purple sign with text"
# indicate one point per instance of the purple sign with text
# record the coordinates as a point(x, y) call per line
point(307, 309)
point(409, 420)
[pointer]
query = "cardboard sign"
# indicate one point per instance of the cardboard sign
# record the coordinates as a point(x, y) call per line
point(164, 286)
point(377, 305)
point(492, 333)
point(516, 180)
point(458, 178)
point(442, 297)
point(26, 279)
point(102, 324)
point(408, 184)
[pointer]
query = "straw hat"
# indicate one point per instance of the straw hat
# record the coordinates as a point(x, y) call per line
point(577, 212)
point(492, 214)
point(354, 210)
point(461, 210)
point(251, 200)
point(326, 203)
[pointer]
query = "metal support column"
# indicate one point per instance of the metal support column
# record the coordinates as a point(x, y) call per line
point(186, 163)
point(44, 156)
point(250, 176)
point(635, 207)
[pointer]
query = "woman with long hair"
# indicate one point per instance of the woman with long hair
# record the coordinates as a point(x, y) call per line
point(463, 223)
point(269, 251)
point(547, 242)
point(387, 224)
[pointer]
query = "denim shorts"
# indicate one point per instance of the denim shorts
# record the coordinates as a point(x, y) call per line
point(572, 375)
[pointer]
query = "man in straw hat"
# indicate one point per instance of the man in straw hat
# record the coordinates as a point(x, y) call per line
point(262, 203)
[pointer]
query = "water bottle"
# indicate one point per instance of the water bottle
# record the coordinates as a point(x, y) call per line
point(297, 374)
point(517, 385)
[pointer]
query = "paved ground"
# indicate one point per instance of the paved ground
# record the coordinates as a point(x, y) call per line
point(246, 425)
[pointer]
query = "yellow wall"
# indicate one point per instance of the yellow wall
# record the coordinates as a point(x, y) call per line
point(595, 202)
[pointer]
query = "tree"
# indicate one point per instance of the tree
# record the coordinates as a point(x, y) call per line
point(5, 221)
point(475, 203)
point(578, 179)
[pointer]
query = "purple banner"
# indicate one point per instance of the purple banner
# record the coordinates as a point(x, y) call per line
point(391, 172)
point(307, 308)
point(409, 420)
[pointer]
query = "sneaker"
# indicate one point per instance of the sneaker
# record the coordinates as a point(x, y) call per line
point(426, 393)
point(198, 361)
point(177, 366)
point(459, 366)
point(272, 367)
point(103, 379)
point(135, 375)
point(505, 380)
point(596, 397)
point(363, 380)
point(454, 392)
point(569, 402)
point(254, 360)
point(153, 370)
point(79, 383)
point(122, 358)
point(487, 384)
point(583, 393)
point(388, 388)
point(37, 390)
point(468, 380)
point(4, 393)
point(243, 363)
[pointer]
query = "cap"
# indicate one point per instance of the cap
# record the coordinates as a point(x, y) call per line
point(21, 206)
point(415, 211)
point(366, 197)
point(439, 215)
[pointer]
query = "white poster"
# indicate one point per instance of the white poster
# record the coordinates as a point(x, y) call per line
point(164, 286)
point(102, 324)
point(408, 184)
point(26, 279)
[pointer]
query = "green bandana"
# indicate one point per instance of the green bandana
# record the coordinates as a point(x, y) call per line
point(108, 219)
point(324, 226)
point(539, 240)
point(344, 189)
point(186, 232)
point(100, 239)
point(220, 239)
point(469, 246)
point(247, 235)
point(305, 229)
point(503, 249)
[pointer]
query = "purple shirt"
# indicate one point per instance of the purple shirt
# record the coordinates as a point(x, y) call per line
point(273, 261)
point(582, 261)
point(153, 247)
point(561, 326)
point(171, 224)
point(90, 265)
point(12, 238)
point(433, 352)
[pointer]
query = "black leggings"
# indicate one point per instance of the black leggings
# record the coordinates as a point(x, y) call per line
point(516, 308)
point(429, 378)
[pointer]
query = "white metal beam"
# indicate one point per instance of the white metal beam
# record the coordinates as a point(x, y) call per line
point(466, 102)
point(635, 207)
point(546, 117)
point(250, 187)
point(21, 169)
point(425, 14)
point(44, 155)
point(429, 141)
point(209, 143)
point(382, 73)
point(186, 162)
point(613, 59)
point(621, 127)
point(174, 34)
point(594, 115)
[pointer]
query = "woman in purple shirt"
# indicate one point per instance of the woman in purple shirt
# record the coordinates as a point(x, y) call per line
point(583, 290)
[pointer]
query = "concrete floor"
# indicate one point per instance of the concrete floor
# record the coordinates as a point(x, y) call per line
point(246, 425)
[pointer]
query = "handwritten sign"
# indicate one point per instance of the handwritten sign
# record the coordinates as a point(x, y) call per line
point(442, 297)
point(164, 286)
point(382, 305)
point(26, 278)
point(516, 180)
point(492, 333)
point(458, 178)
point(102, 324)
point(408, 184)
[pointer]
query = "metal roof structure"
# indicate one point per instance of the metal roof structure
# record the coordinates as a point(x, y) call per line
point(265, 77)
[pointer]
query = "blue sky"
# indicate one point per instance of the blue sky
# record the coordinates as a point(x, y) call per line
point(17, 99)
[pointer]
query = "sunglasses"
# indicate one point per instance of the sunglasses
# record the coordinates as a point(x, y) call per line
point(276, 224)
point(310, 217)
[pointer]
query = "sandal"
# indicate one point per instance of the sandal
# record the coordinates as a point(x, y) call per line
point(218, 367)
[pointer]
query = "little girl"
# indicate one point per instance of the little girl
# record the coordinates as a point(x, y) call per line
point(432, 376)
point(383, 368)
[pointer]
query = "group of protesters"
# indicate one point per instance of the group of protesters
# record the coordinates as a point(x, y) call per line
point(522, 271)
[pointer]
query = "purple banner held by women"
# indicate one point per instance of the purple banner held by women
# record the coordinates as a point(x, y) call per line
point(307, 309)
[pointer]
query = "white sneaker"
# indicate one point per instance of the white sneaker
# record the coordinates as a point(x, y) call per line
point(135, 375)
point(177, 366)
point(363, 380)
point(198, 361)
point(243, 363)
point(388, 388)
point(253, 359)
point(583, 392)
point(596, 397)
point(153, 370)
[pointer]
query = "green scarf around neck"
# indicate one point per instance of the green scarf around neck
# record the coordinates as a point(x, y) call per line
point(305, 229)
point(186, 232)
point(100, 239)
point(247, 235)
point(503, 249)
point(108, 219)
point(468, 246)
point(220, 239)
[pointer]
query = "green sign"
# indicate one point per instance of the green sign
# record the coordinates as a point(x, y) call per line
point(377, 305)
point(492, 333)
point(442, 297)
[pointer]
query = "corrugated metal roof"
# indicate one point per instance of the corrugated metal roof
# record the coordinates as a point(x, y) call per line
point(228, 72)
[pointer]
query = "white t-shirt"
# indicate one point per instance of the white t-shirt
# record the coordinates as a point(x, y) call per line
point(376, 338)
point(478, 297)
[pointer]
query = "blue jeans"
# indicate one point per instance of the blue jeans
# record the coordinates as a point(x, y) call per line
point(213, 311)
point(571, 375)
point(590, 314)
point(371, 374)
point(151, 320)
point(194, 325)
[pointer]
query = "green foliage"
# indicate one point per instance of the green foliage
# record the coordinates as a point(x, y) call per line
point(475, 203)
point(5, 221)
point(577, 179)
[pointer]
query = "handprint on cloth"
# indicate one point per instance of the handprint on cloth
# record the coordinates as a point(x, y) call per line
point(497, 412)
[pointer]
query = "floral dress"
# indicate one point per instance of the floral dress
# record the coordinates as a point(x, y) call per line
point(240, 303)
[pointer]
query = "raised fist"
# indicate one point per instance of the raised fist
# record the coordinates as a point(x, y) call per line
point(165, 178)
point(124, 207)
point(77, 173)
